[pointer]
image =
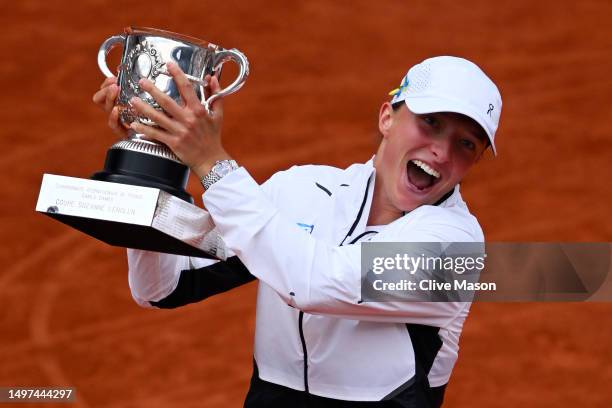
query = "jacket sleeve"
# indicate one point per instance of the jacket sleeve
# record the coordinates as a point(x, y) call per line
point(309, 274)
point(195, 285)
point(168, 281)
point(153, 275)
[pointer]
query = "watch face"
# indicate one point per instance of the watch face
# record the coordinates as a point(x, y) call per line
point(223, 168)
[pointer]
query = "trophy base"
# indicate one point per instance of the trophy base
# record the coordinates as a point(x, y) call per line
point(127, 215)
point(146, 170)
point(130, 235)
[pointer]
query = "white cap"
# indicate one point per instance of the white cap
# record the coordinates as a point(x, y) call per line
point(451, 84)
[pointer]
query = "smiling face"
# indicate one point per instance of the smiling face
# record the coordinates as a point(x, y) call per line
point(421, 158)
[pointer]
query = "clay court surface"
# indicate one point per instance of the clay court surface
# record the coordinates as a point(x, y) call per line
point(319, 72)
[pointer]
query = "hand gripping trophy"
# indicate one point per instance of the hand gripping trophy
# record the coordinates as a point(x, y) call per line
point(139, 200)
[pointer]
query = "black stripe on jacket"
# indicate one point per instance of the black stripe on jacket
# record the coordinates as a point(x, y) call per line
point(195, 285)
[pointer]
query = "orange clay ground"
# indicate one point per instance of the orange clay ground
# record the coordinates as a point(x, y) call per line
point(319, 72)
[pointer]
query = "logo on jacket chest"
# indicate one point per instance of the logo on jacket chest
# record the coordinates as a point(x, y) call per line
point(306, 227)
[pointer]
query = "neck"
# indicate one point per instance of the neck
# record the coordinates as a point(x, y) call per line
point(381, 213)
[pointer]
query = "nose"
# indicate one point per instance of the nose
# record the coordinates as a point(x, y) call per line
point(441, 149)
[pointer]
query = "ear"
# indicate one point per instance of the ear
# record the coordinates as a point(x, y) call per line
point(385, 119)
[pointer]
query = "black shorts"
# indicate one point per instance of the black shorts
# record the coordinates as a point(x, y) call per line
point(264, 394)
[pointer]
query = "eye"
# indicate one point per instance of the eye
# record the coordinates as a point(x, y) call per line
point(430, 120)
point(468, 144)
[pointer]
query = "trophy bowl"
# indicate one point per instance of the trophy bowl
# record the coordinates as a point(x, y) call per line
point(146, 51)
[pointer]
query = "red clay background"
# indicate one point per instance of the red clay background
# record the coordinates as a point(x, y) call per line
point(319, 72)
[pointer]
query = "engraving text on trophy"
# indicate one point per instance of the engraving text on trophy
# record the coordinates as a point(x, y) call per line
point(65, 203)
point(99, 200)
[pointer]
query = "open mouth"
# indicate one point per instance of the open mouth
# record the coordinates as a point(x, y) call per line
point(421, 176)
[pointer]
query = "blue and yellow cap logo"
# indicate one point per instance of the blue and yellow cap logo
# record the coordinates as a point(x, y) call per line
point(402, 88)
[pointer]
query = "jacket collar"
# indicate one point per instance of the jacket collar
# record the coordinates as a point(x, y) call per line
point(357, 180)
point(359, 174)
point(352, 204)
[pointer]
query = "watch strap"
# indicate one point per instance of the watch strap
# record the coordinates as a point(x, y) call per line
point(220, 169)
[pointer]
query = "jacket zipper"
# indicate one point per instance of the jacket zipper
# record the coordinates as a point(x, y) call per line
point(301, 314)
point(304, 350)
point(359, 214)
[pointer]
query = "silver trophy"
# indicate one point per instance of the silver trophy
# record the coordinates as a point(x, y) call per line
point(145, 53)
point(139, 199)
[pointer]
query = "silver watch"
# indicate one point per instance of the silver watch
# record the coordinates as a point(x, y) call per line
point(220, 169)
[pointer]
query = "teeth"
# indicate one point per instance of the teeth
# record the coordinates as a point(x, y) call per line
point(426, 168)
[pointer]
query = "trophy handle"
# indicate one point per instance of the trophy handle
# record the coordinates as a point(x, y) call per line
point(243, 66)
point(105, 48)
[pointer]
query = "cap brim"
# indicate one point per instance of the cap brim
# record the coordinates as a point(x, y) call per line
point(432, 104)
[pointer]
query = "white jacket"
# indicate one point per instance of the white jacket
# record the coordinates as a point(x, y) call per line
point(293, 233)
